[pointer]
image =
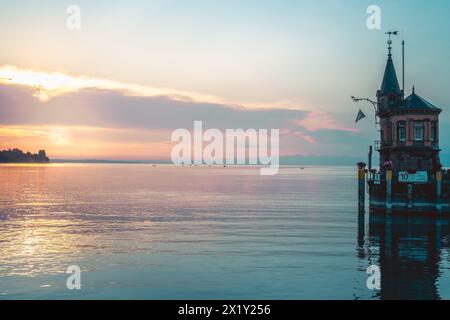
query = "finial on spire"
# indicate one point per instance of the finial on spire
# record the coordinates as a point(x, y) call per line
point(390, 33)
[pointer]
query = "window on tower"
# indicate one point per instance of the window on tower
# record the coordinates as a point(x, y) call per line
point(433, 134)
point(401, 131)
point(392, 100)
point(418, 131)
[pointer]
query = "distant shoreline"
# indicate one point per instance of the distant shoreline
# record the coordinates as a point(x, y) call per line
point(284, 161)
point(18, 156)
point(154, 163)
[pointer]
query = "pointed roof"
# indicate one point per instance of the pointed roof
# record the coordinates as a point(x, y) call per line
point(416, 102)
point(390, 81)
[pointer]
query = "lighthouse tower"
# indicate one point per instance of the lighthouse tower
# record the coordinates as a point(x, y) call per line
point(409, 127)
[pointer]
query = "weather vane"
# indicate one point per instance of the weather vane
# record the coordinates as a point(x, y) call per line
point(390, 33)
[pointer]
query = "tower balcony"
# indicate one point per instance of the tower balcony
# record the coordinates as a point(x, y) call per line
point(379, 145)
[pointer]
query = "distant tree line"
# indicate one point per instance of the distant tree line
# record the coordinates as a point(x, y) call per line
point(18, 156)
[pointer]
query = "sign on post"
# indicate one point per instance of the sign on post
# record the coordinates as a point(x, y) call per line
point(418, 177)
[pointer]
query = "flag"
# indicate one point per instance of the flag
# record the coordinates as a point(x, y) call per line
point(360, 116)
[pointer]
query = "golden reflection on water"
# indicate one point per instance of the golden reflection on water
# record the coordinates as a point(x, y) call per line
point(32, 242)
point(36, 247)
point(53, 214)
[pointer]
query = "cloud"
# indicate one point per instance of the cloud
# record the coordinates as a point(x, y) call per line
point(47, 85)
point(90, 118)
point(299, 134)
point(51, 84)
point(318, 120)
point(304, 136)
point(112, 109)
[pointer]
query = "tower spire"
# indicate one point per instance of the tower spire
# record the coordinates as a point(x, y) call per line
point(390, 88)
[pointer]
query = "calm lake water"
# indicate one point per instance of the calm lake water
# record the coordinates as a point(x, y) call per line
point(166, 232)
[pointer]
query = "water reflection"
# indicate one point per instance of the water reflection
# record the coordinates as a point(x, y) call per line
point(408, 250)
point(166, 232)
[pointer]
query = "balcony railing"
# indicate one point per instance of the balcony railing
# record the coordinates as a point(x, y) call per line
point(378, 145)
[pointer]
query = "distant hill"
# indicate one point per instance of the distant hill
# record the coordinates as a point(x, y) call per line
point(18, 156)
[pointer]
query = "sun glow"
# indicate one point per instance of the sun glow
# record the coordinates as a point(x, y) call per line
point(77, 142)
point(51, 84)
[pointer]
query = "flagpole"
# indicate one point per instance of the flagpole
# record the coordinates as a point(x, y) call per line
point(373, 103)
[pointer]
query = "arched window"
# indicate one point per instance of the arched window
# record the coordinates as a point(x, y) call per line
point(401, 131)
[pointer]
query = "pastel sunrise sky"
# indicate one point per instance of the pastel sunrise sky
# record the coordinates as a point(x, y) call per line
point(137, 70)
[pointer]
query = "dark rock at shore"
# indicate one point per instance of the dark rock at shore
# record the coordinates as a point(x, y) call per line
point(18, 156)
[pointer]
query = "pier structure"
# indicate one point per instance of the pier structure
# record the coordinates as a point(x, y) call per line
point(410, 176)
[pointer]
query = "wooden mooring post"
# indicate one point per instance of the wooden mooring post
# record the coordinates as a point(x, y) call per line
point(361, 187)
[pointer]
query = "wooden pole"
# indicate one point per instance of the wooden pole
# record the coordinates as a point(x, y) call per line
point(403, 65)
point(361, 188)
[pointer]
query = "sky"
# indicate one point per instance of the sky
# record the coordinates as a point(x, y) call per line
point(137, 70)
